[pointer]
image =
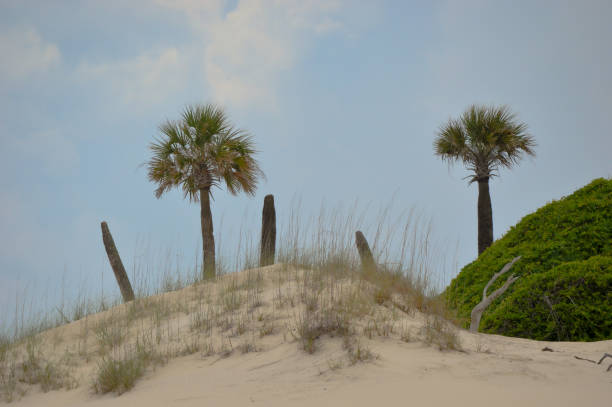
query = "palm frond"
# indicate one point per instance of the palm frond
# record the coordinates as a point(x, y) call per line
point(484, 138)
point(203, 150)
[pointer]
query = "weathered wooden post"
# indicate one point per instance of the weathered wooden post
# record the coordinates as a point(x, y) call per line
point(115, 261)
point(365, 254)
point(268, 232)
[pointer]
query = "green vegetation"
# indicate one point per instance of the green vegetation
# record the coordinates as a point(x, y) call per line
point(121, 374)
point(563, 292)
point(484, 138)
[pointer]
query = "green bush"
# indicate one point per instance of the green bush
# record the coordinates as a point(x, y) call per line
point(557, 244)
point(572, 301)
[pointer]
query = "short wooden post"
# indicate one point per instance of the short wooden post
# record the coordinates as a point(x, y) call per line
point(268, 232)
point(365, 254)
point(115, 261)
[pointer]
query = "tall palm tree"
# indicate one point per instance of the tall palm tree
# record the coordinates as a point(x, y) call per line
point(484, 138)
point(197, 152)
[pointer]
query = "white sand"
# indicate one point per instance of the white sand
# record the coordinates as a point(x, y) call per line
point(491, 371)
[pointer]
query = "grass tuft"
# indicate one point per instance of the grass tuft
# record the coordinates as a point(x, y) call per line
point(121, 374)
point(440, 333)
point(118, 376)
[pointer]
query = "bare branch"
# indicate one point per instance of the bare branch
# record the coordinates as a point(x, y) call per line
point(586, 360)
point(487, 300)
point(606, 355)
point(499, 273)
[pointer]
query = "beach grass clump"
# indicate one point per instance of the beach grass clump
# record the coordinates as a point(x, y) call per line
point(357, 351)
point(110, 333)
point(440, 333)
point(311, 325)
point(249, 344)
point(266, 328)
point(26, 364)
point(202, 321)
point(120, 374)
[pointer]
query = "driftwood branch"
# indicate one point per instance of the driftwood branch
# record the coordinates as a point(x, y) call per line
point(115, 261)
point(487, 300)
point(606, 355)
point(365, 254)
point(585, 359)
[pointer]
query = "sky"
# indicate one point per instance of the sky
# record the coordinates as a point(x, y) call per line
point(343, 100)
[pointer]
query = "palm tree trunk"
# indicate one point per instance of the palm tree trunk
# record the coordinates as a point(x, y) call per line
point(208, 239)
point(485, 216)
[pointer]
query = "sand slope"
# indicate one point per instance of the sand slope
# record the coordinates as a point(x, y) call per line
point(490, 371)
point(518, 372)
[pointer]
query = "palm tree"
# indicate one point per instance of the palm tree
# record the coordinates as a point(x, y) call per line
point(197, 152)
point(484, 138)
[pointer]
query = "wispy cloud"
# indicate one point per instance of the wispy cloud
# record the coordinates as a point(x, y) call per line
point(247, 49)
point(25, 52)
point(254, 44)
point(242, 51)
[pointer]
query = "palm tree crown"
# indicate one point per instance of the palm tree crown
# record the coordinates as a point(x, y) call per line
point(197, 152)
point(203, 150)
point(484, 138)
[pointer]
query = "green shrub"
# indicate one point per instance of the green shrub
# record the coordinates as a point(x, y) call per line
point(572, 301)
point(571, 230)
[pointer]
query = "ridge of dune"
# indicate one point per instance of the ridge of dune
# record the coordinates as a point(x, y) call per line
point(487, 370)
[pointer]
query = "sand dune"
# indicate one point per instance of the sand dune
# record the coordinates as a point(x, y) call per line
point(489, 370)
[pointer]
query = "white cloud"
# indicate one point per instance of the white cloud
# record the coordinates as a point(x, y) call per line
point(147, 78)
point(24, 52)
point(247, 49)
point(242, 52)
point(251, 46)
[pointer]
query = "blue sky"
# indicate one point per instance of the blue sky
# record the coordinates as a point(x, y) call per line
point(343, 100)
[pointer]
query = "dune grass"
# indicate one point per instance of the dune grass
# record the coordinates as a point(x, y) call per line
point(316, 290)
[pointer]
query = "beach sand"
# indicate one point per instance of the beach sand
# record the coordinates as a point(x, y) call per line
point(489, 370)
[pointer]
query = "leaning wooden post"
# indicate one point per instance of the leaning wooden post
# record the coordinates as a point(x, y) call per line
point(268, 232)
point(486, 301)
point(115, 261)
point(365, 254)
